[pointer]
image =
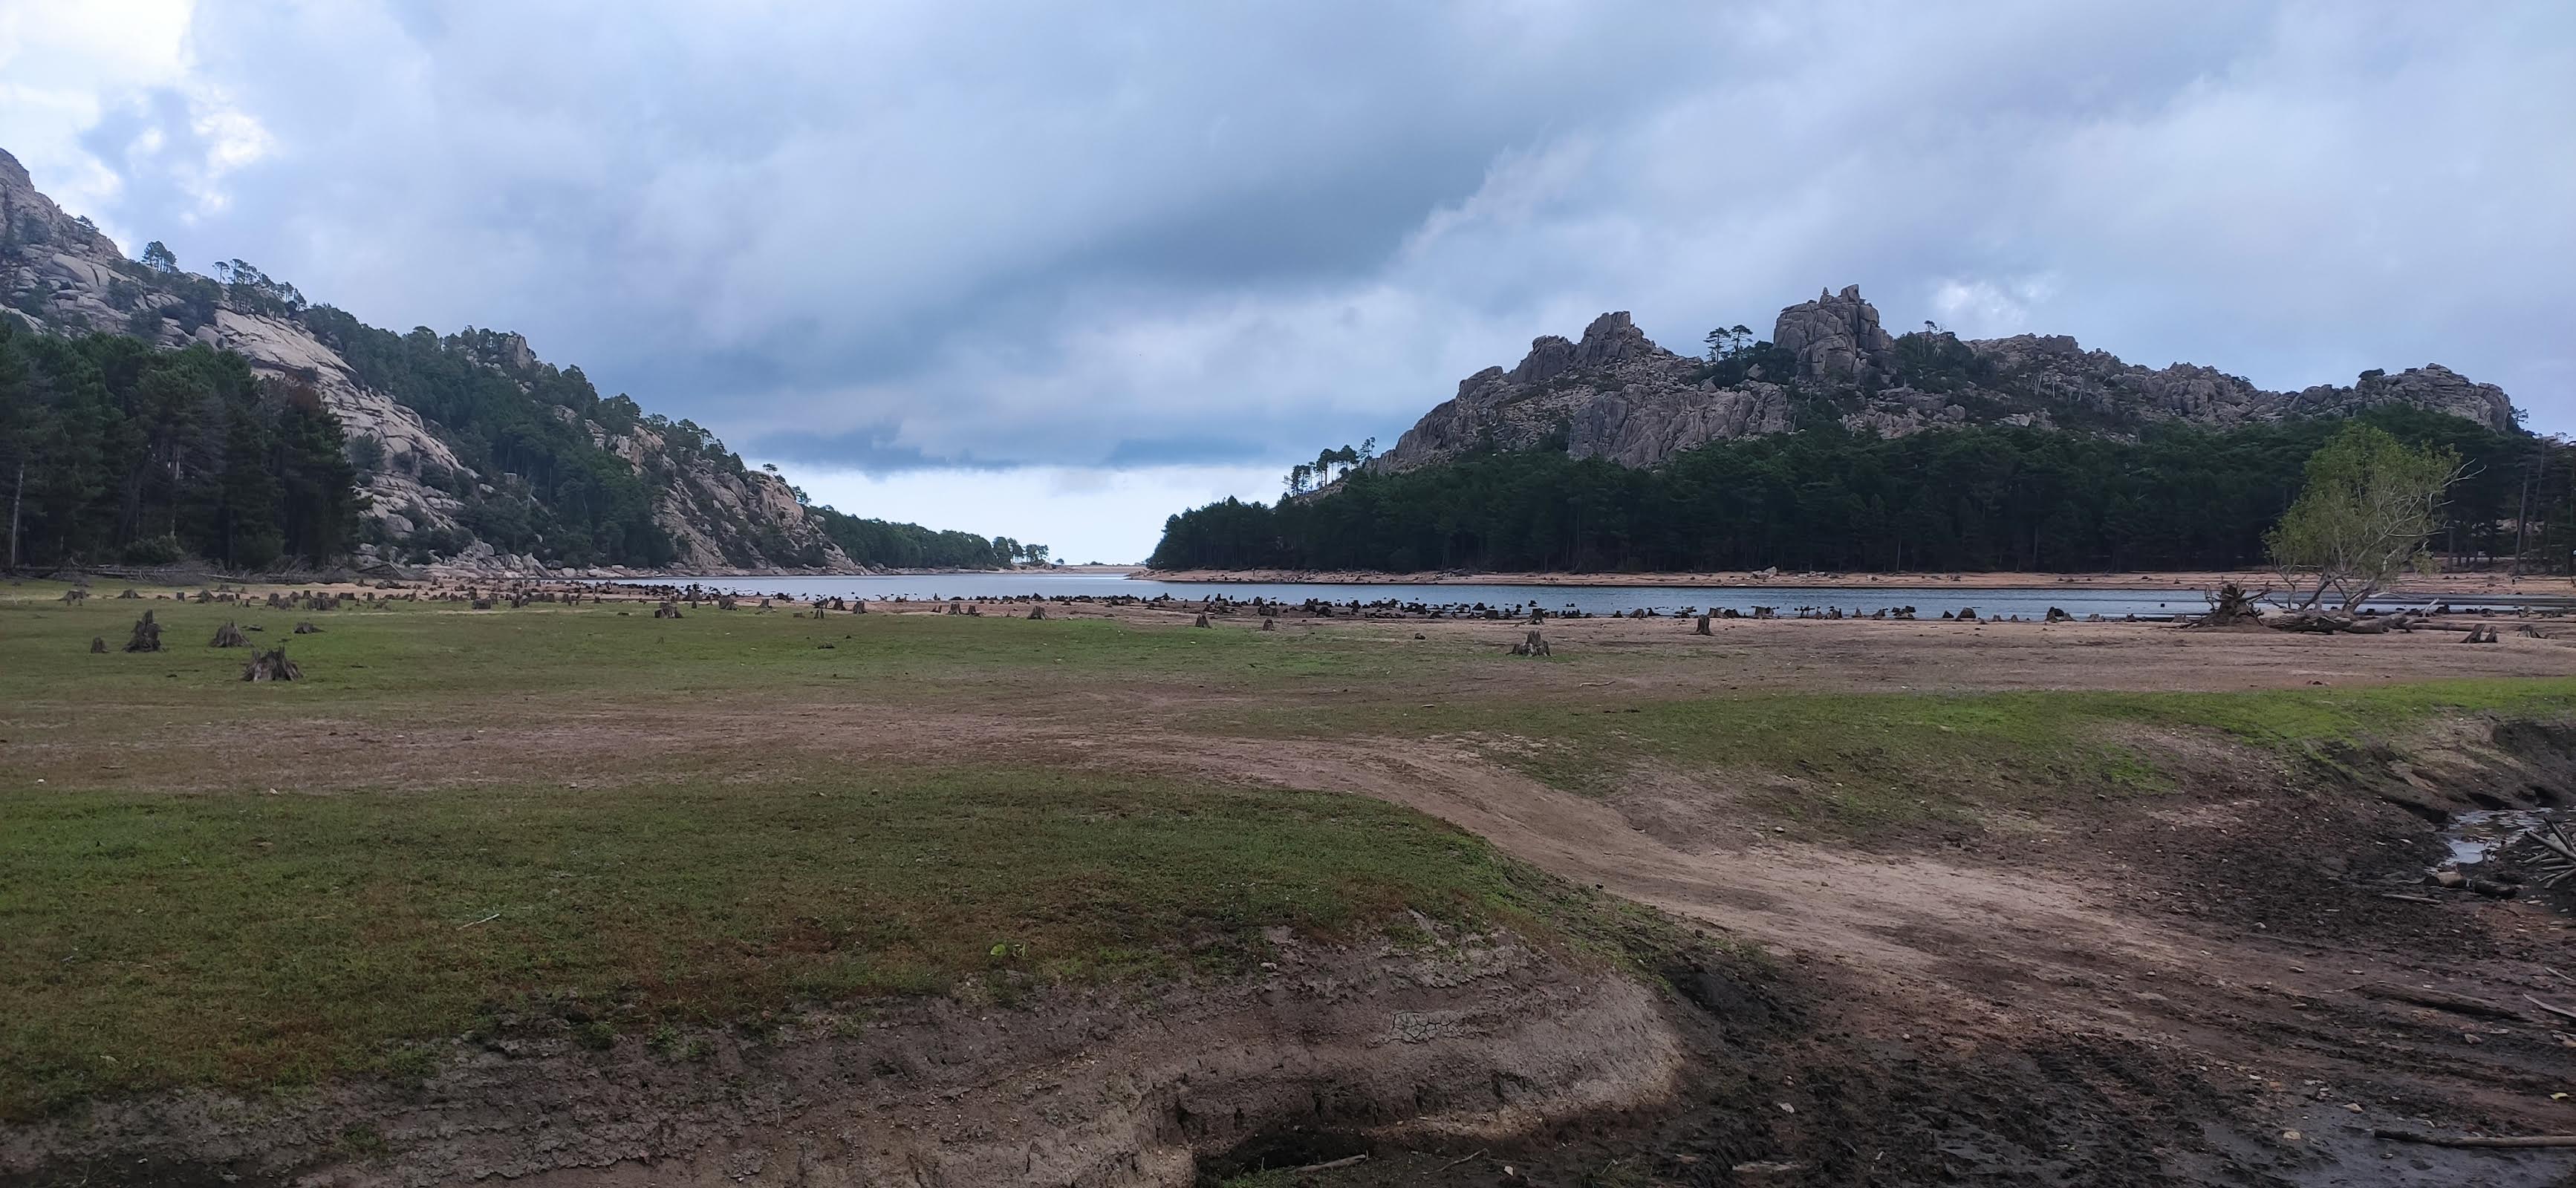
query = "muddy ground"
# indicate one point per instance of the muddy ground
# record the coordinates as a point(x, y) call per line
point(2236, 983)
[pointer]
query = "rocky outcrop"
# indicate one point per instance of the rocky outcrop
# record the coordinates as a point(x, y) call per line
point(58, 274)
point(1613, 394)
point(1616, 395)
point(1836, 338)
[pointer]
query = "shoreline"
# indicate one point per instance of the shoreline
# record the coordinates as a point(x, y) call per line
point(2430, 586)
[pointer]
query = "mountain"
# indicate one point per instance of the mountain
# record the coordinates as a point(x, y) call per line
point(1834, 445)
point(473, 452)
point(1616, 395)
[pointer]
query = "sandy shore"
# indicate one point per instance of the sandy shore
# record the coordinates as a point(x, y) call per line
point(2486, 584)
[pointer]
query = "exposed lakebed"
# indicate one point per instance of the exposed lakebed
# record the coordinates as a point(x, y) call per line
point(1930, 601)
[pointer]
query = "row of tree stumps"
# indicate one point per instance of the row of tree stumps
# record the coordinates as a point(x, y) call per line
point(265, 665)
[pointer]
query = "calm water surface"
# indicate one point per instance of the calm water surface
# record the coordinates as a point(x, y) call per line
point(1929, 601)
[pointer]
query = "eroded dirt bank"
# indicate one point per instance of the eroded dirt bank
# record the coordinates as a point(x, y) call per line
point(1454, 1038)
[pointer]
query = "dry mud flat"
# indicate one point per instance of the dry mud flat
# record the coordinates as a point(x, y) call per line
point(2235, 983)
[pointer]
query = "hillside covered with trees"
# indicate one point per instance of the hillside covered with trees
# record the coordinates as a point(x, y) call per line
point(1984, 497)
point(110, 449)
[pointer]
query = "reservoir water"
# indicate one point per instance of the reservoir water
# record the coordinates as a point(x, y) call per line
point(1929, 601)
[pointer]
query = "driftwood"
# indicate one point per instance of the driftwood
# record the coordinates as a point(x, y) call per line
point(147, 635)
point(271, 665)
point(2477, 1140)
point(2561, 1012)
point(98, 645)
point(228, 636)
point(1535, 645)
point(2457, 1005)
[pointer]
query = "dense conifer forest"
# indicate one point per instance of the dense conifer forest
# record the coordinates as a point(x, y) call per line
point(111, 450)
point(1987, 498)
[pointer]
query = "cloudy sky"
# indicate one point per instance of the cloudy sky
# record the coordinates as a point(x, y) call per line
point(1056, 270)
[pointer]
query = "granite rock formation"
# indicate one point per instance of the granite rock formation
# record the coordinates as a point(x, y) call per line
point(59, 274)
point(1614, 394)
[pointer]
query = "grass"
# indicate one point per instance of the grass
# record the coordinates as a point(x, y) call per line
point(352, 922)
point(249, 939)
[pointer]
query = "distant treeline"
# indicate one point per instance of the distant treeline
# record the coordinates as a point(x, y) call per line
point(911, 546)
point(113, 451)
point(1988, 498)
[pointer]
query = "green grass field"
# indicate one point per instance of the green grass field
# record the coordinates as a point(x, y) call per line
point(604, 826)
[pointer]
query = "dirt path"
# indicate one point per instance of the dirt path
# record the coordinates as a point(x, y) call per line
point(2049, 946)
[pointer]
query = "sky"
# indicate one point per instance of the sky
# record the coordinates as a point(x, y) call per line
point(1057, 271)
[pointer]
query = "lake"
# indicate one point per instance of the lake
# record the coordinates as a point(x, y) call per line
point(1929, 601)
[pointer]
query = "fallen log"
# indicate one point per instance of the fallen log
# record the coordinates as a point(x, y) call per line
point(2477, 1140)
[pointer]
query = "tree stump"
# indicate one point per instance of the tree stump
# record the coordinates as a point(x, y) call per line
point(1037, 612)
point(75, 594)
point(1202, 620)
point(2481, 633)
point(228, 636)
point(130, 592)
point(2232, 604)
point(307, 628)
point(2058, 615)
point(1967, 614)
point(147, 635)
point(271, 665)
point(666, 611)
point(859, 607)
point(1270, 624)
point(724, 602)
point(98, 645)
point(1701, 627)
point(1535, 645)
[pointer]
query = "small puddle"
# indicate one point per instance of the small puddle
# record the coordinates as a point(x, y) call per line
point(2511, 852)
point(2473, 835)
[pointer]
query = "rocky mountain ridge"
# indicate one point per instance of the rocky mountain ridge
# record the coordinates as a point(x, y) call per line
point(59, 274)
point(1615, 394)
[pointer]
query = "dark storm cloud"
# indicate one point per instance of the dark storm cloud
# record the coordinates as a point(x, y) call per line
point(909, 237)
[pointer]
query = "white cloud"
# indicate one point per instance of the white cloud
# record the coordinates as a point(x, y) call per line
point(1254, 232)
point(67, 68)
point(1083, 514)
